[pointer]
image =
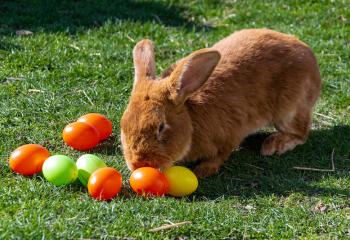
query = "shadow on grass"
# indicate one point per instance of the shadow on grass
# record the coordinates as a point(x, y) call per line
point(247, 173)
point(72, 16)
point(108, 147)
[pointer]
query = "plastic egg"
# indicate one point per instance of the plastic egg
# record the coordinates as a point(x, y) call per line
point(105, 183)
point(28, 159)
point(81, 136)
point(87, 164)
point(149, 181)
point(182, 181)
point(60, 170)
point(100, 122)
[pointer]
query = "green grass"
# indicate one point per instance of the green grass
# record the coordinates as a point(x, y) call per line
point(79, 60)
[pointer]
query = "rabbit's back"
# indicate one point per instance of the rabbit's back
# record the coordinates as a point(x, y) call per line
point(263, 76)
point(263, 68)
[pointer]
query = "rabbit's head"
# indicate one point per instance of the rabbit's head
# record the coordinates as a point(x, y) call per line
point(156, 127)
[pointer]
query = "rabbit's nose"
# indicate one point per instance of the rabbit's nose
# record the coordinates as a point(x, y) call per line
point(145, 164)
point(142, 163)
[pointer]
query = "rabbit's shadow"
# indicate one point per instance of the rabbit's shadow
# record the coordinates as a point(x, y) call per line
point(247, 173)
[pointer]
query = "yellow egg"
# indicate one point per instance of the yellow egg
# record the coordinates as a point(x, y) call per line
point(182, 181)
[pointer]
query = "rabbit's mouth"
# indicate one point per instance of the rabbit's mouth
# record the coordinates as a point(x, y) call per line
point(147, 163)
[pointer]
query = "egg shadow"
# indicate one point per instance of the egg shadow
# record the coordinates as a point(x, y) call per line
point(110, 147)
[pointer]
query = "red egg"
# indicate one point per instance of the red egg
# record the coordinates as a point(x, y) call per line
point(80, 136)
point(28, 159)
point(105, 183)
point(100, 122)
point(149, 181)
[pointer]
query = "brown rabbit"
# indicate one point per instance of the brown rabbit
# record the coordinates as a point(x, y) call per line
point(208, 102)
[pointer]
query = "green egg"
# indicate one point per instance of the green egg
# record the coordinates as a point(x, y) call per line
point(60, 170)
point(87, 164)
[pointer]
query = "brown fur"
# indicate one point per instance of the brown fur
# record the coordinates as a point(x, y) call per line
point(263, 77)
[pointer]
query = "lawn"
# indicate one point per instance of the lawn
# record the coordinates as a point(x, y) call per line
point(78, 60)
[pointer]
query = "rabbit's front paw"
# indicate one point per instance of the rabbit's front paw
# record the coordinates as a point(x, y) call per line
point(279, 143)
point(207, 169)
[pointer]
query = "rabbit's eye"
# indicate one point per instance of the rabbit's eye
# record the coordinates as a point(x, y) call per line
point(161, 127)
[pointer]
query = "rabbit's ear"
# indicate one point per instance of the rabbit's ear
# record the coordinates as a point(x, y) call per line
point(167, 72)
point(144, 61)
point(191, 73)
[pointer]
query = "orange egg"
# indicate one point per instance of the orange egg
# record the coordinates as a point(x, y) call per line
point(149, 181)
point(80, 136)
point(100, 122)
point(28, 159)
point(104, 183)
